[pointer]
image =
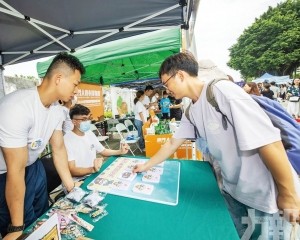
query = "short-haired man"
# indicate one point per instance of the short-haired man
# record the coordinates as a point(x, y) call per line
point(82, 144)
point(147, 103)
point(255, 169)
point(29, 119)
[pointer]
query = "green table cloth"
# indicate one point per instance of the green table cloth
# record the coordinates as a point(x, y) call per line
point(201, 212)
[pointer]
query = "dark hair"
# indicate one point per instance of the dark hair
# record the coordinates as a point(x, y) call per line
point(272, 83)
point(148, 87)
point(165, 93)
point(79, 109)
point(138, 95)
point(293, 83)
point(253, 88)
point(181, 61)
point(64, 58)
point(267, 85)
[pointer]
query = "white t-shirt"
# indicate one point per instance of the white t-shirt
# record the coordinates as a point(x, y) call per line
point(82, 149)
point(67, 124)
point(245, 176)
point(146, 101)
point(276, 91)
point(139, 107)
point(26, 121)
point(154, 99)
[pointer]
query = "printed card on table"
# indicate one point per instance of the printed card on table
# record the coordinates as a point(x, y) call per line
point(143, 188)
point(151, 177)
point(156, 170)
point(120, 185)
point(127, 175)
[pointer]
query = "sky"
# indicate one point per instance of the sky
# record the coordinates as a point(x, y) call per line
point(218, 26)
point(220, 23)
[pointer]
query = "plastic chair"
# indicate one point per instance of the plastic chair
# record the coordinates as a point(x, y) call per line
point(121, 128)
point(131, 128)
point(111, 125)
point(99, 136)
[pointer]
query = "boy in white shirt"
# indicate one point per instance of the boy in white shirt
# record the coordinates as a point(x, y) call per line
point(82, 145)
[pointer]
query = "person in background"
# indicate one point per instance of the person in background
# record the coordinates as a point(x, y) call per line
point(148, 92)
point(255, 169)
point(251, 88)
point(66, 106)
point(30, 118)
point(165, 104)
point(82, 145)
point(140, 116)
point(282, 92)
point(260, 87)
point(154, 102)
point(267, 92)
point(275, 90)
point(175, 108)
point(293, 108)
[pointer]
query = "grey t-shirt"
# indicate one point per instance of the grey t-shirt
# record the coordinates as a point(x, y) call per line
point(245, 176)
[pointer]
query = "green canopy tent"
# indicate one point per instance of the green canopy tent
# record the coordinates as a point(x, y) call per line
point(126, 60)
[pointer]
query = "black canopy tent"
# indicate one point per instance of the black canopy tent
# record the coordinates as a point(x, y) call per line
point(31, 29)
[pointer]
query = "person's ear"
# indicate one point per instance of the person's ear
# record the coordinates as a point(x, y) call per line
point(180, 74)
point(57, 78)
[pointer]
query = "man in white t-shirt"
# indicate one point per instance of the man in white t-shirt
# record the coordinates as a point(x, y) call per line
point(66, 106)
point(155, 102)
point(275, 89)
point(30, 119)
point(82, 145)
point(254, 166)
point(147, 103)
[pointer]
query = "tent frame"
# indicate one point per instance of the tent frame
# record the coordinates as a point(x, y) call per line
point(39, 24)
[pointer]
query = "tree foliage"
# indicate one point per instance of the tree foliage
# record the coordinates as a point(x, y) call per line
point(271, 44)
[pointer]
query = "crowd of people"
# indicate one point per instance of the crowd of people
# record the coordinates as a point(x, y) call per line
point(252, 164)
point(281, 93)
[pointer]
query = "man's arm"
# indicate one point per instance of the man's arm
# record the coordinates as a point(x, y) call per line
point(80, 171)
point(275, 158)
point(60, 159)
point(15, 159)
point(166, 151)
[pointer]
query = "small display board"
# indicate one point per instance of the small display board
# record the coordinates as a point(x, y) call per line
point(159, 184)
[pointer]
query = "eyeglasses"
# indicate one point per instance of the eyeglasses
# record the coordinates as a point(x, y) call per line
point(165, 83)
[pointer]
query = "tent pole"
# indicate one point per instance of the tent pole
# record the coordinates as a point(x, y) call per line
point(2, 80)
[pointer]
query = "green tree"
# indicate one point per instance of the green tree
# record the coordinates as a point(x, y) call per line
point(271, 44)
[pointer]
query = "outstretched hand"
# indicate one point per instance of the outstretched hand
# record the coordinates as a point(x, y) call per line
point(140, 168)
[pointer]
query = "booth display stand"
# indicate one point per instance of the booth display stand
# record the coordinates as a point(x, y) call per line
point(186, 151)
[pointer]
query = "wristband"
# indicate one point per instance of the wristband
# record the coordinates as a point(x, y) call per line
point(11, 228)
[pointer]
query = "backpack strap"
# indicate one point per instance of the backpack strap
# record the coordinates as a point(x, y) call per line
point(212, 101)
point(187, 112)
